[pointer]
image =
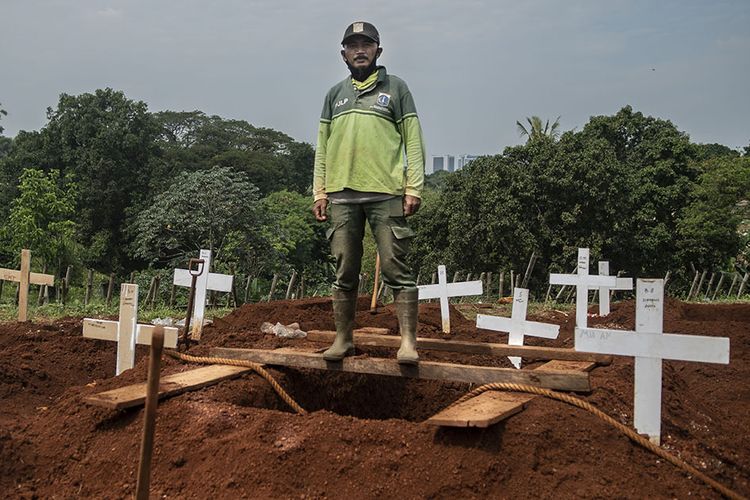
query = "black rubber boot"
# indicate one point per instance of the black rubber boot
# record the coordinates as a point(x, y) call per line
point(344, 307)
point(407, 311)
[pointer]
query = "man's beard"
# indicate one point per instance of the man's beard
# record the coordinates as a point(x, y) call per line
point(361, 74)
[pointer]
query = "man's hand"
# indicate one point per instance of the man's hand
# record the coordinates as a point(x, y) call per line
point(319, 209)
point(411, 205)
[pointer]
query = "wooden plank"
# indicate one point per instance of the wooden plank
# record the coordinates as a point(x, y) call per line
point(558, 365)
point(566, 381)
point(528, 352)
point(171, 385)
point(41, 279)
point(10, 275)
point(482, 411)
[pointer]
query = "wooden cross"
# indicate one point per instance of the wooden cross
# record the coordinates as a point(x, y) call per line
point(649, 345)
point(622, 284)
point(206, 281)
point(583, 281)
point(126, 331)
point(24, 278)
point(443, 290)
point(517, 326)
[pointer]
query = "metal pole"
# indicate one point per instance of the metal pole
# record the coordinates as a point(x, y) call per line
point(149, 416)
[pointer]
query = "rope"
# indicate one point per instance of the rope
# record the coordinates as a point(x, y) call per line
point(661, 452)
point(257, 368)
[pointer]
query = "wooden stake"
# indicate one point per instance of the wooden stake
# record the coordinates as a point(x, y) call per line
point(500, 285)
point(692, 286)
point(289, 287)
point(700, 285)
point(708, 288)
point(157, 281)
point(734, 282)
point(716, 290)
point(742, 286)
point(374, 301)
point(149, 417)
point(247, 287)
point(89, 284)
point(42, 288)
point(23, 287)
point(273, 286)
point(110, 288)
point(529, 270)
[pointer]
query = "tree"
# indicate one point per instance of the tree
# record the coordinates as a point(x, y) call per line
point(272, 160)
point(537, 131)
point(295, 234)
point(623, 186)
point(106, 144)
point(708, 225)
point(41, 218)
point(2, 113)
point(217, 209)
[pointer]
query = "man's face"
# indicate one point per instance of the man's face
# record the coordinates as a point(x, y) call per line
point(360, 52)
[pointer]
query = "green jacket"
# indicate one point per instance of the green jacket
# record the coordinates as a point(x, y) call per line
point(362, 137)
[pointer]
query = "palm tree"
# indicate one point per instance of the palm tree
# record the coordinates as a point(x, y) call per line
point(536, 131)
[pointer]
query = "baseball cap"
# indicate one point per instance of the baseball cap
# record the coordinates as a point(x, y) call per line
point(361, 28)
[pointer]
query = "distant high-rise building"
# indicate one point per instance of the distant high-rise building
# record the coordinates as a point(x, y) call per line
point(450, 163)
point(464, 160)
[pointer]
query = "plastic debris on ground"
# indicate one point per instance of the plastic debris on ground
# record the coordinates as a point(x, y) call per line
point(291, 331)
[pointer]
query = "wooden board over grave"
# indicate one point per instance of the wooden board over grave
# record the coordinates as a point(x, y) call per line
point(171, 385)
point(528, 352)
point(482, 411)
point(432, 370)
point(558, 365)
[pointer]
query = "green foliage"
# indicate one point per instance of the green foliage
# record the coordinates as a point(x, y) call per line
point(627, 186)
point(2, 113)
point(105, 142)
point(293, 231)
point(272, 160)
point(437, 180)
point(538, 131)
point(708, 151)
point(708, 226)
point(216, 209)
point(41, 217)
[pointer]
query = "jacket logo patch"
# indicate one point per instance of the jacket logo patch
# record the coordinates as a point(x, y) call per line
point(384, 99)
point(341, 102)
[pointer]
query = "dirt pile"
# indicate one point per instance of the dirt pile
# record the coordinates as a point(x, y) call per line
point(364, 436)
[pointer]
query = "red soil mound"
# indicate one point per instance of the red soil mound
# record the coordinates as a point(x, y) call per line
point(363, 436)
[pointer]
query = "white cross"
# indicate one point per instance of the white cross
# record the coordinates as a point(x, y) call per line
point(126, 331)
point(622, 284)
point(516, 325)
point(443, 290)
point(206, 281)
point(583, 281)
point(24, 277)
point(649, 345)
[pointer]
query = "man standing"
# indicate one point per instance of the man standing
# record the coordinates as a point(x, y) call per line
point(368, 122)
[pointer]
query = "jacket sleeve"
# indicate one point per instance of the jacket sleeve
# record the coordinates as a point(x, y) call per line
point(319, 170)
point(411, 134)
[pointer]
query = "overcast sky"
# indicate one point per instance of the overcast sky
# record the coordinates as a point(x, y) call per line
point(474, 67)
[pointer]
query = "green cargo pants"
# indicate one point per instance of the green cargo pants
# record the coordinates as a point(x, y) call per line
point(392, 235)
